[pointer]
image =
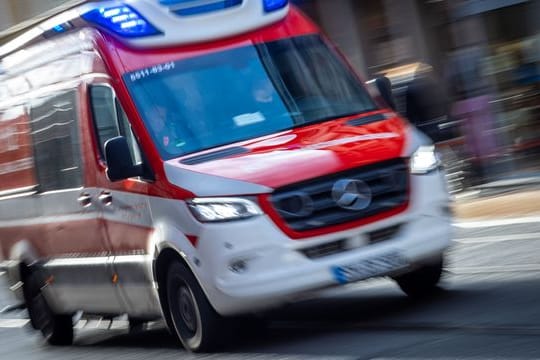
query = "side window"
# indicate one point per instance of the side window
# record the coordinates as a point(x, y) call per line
point(110, 120)
point(55, 135)
point(103, 111)
point(125, 127)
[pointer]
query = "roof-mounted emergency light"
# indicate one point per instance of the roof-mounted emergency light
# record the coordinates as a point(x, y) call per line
point(122, 20)
point(60, 28)
point(273, 5)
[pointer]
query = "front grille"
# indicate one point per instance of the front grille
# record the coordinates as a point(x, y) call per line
point(197, 7)
point(342, 245)
point(331, 248)
point(343, 197)
point(385, 234)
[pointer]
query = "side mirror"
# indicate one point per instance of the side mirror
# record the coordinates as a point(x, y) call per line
point(384, 86)
point(119, 161)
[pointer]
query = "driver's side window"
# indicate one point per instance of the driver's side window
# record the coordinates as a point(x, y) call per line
point(110, 120)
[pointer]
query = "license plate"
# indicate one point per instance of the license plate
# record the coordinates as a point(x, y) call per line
point(376, 266)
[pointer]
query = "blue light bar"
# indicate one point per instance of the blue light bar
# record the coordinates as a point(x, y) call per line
point(122, 20)
point(59, 28)
point(273, 5)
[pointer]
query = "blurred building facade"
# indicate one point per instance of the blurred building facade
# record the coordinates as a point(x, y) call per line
point(379, 34)
point(13, 12)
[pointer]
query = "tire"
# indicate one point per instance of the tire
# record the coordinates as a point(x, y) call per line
point(194, 320)
point(57, 329)
point(423, 281)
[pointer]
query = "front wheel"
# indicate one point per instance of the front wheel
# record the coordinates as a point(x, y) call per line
point(423, 281)
point(195, 322)
point(57, 329)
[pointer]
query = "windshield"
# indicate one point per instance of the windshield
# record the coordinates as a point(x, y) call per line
point(243, 93)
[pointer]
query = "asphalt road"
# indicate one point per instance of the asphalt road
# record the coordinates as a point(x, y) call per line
point(488, 308)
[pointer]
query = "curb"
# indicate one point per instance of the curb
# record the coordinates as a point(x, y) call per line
point(499, 187)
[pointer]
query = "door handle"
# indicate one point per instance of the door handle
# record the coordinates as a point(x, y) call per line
point(85, 199)
point(105, 197)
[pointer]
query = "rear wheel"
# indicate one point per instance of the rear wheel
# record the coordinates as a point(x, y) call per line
point(423, 281)
point(57, 329)
point(194, 320)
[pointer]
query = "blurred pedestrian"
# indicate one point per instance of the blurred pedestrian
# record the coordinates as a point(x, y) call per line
point(472, 107)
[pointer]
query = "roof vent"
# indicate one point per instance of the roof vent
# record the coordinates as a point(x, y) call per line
point(197, 7)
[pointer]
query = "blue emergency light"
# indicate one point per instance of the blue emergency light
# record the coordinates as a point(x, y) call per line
point(122, 20)
point(59, 28)
point(273, 5)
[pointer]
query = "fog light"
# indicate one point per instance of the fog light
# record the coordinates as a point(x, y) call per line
point(238, 266)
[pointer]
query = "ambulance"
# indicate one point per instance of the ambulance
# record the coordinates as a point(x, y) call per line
point(199, 160)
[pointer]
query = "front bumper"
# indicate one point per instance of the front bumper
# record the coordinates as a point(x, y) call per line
point(276, 270)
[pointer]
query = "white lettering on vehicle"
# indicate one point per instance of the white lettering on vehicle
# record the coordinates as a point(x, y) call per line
point(152, 70)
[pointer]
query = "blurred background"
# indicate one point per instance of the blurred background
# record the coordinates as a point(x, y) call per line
point(475, 65)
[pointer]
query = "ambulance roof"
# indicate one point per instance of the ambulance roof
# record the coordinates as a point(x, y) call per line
point(157, 23)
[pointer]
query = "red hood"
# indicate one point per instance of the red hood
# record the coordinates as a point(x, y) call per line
point(308, 152)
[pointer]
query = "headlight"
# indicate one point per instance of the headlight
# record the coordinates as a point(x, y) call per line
point(424, 160)
point(223, 209)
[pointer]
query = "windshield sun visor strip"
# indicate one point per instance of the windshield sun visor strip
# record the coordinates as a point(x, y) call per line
point(214, 155)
